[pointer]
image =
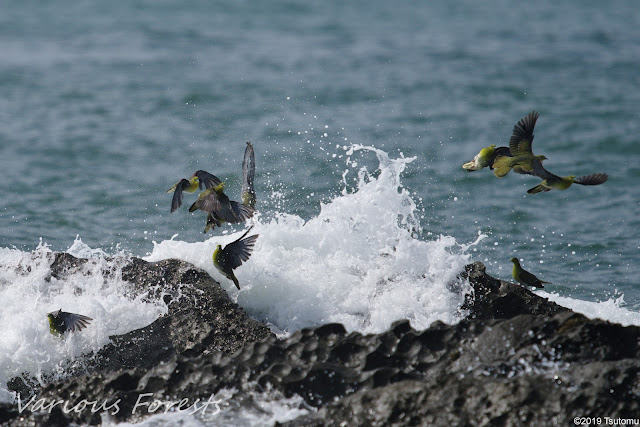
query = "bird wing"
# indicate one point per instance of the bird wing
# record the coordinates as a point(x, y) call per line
point(75, 322)
point(241, 211)
point(238, 251)
point(248, 175)
point(538, 170)
point(208, 201)
point(207, 179)
point(522, 135)
point(527, 277)
point(176, 201)
point(593, 179)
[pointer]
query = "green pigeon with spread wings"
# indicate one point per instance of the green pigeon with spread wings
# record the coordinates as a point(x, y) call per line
point(555, 182)
point(233, 255)
point(522, 159)
point(61, 322)
point(196, 181)
point(220, 208)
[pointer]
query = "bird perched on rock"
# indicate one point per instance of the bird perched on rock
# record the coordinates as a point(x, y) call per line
point(486, 157)
point(248, 174)
point(190, 185)
point(523, 277)
point(220, 208)
point(61, 322)
point(233, 255)
point(522, 159)
point(555, 182)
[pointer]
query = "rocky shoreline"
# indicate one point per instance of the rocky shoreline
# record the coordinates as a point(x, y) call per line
point(516, 359)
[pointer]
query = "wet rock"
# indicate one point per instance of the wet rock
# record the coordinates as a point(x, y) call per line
point(517, 359)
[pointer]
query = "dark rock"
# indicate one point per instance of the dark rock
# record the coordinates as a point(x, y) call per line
point(517, 359)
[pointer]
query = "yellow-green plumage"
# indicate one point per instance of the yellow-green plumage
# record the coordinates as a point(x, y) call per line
point(554, 182)
point(523, 160)
point(525, 278)
point(486, 157)
point(197, 180)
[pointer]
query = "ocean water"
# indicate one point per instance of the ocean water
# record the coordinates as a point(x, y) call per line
point(361, 115)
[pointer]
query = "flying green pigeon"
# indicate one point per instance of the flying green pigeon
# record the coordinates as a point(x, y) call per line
point(555, 182)
point(523, 277)
point(522, 161)
point(233, 255)
point(61, 322)
point(190, 185)
point(248, 175)
point(486, 157)
point(219, 208)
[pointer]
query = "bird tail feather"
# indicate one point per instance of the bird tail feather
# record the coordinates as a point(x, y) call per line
point(537, 189)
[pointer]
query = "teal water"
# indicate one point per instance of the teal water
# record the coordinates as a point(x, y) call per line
point(104, 106)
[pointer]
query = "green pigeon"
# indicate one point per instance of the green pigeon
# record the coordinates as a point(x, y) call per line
point(522, 159)
point(248, 174)
point(555, 182)
point(486, 157)
point(61, 322)
point(190, 185)
point(233, 255)
point(523, 277)
point(219, 208)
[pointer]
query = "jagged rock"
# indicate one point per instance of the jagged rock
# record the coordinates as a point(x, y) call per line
point(517, 359)
point(201, 318)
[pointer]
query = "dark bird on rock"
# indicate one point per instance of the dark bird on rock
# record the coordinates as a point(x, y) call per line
point(525, 278)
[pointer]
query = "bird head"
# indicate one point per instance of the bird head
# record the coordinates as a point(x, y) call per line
point(514, 260)
point(54, 314)
point(542, 157)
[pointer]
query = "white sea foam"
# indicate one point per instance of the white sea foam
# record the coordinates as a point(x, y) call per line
point(28, 293)
point(612, 309)
point(228, 407)
point(358, 262)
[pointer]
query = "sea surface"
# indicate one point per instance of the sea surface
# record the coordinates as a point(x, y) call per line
point(361, 114)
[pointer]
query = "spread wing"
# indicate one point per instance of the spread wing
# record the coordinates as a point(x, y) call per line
point(208, 201)
point(238, 251)
point(240, 211)
point(538, 170)
point(176, 201)
point(75, 322)
point(207, 179)
point(522, 135)
point(593, 179)
point(248, 175)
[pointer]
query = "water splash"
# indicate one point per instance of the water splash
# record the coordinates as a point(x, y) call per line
point(358, 262)
point(28, 292)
